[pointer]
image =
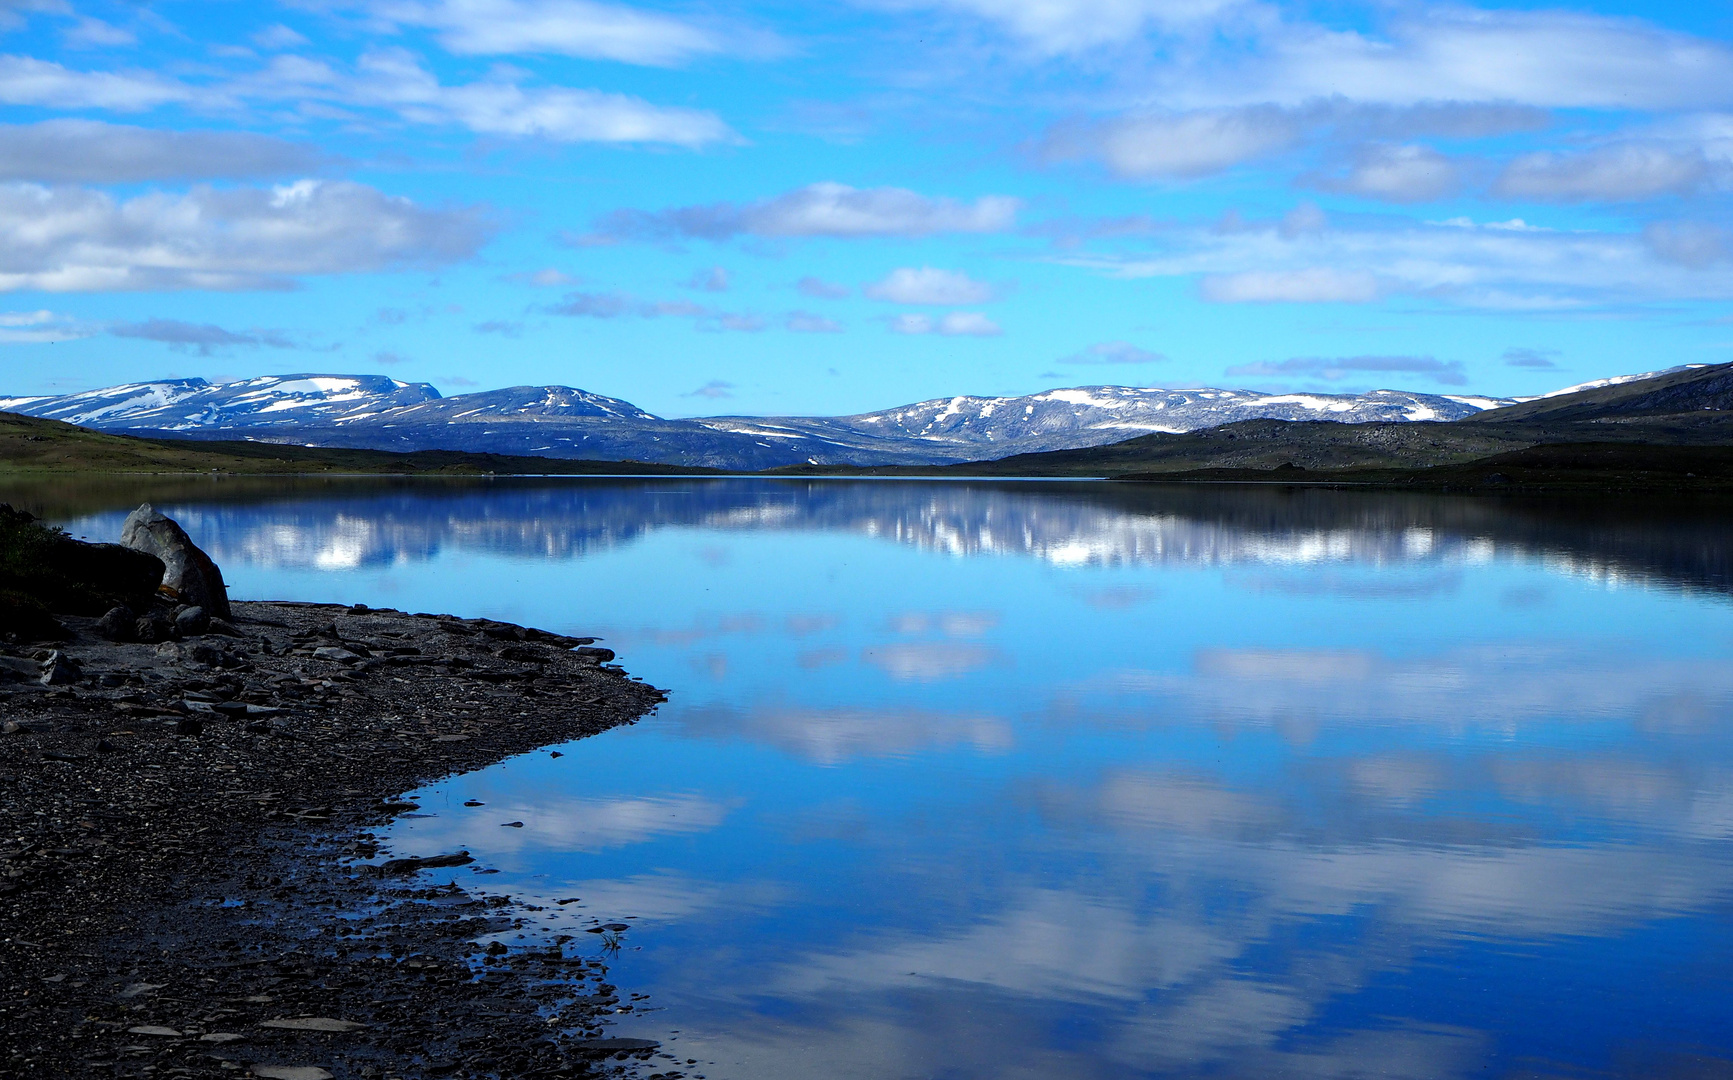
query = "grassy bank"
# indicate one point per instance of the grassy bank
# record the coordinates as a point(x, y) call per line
point(29, 445)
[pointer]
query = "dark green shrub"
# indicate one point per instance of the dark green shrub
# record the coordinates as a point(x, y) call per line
point(42, 564)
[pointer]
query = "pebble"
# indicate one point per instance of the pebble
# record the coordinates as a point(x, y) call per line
point(291, 1072)
point(311, 1023)
point(611, 1045)
point(153, 1029)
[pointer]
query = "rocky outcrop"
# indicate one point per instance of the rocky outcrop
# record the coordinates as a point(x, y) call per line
point(187, 571)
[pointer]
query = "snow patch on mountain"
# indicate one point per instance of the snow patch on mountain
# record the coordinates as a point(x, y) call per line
point(1618, 380)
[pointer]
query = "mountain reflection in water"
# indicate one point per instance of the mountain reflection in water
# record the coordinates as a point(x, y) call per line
point(1182, 781)
point(344, 525)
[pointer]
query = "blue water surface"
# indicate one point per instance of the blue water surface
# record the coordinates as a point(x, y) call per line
point(1082, 780)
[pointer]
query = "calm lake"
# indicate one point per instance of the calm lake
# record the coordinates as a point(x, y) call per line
point(1044, 780)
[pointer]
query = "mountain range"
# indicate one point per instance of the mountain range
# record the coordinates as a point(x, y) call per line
point(375, 412)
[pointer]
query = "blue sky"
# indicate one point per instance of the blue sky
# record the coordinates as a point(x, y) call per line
point(836, 207)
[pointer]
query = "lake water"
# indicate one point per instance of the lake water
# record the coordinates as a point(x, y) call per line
point(1084, 780)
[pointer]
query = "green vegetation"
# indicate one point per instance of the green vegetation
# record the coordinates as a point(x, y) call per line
point(44, 572)
point(31, 445)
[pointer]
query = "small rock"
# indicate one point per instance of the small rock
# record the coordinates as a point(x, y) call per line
point(221, 1037)
point(203, 653)
point(117, 624)
point(192, 621)
point(153, 1029)
point(291, 1072)
point(153, 627)
point(311, 1023)
point(189, 725)
point(610, 1045)
point(335, 654)
point(410, 865)
point(139, 988)
point(59, 669)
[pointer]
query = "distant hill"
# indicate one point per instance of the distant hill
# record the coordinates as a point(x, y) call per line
point(31, 444)
point(376, 413)
point(1680, 396)
point(1671, 427)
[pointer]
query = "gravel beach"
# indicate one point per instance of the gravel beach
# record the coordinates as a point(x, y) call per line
point(188, 881)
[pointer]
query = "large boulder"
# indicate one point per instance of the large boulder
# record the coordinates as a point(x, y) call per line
point(187, 572)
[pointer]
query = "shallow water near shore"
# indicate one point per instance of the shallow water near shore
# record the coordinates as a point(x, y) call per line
point(1009, 779)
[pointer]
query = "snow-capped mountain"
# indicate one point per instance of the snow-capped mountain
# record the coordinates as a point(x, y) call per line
point(192, 404)
point(974, 428)
point(558, 421)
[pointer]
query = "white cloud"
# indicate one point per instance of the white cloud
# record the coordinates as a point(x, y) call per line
point(1398, 173)
point(278, 36)
point(820, 289)
point(968, 324)
point(395, 79)
point(1313, 284)
point(28, 81)
point(613, 305)
point(1179, 145)
point(927, 661)
point(202, 338)
point(561, 823)
point(567, 27)
point(715, 389)
point(88, 33)
point(823, 209)
point(805, 322)
point(715, 279)
point(1501, 266)
point(955, 324)
point(830, 736)
point(87, 151)
point(1114, 352)
point(1549, 59)
point(928, 285)
point(39, 328)
point(1691, 244)
point(546, 277)
point(70, 239)
point(1070, 26)
point(1448, 372)
point(1607, 174)
point(389, 79)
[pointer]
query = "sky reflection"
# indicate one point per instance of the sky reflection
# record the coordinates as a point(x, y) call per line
point(1006, 780)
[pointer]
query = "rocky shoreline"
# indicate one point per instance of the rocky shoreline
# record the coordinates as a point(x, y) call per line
point(188, 881)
